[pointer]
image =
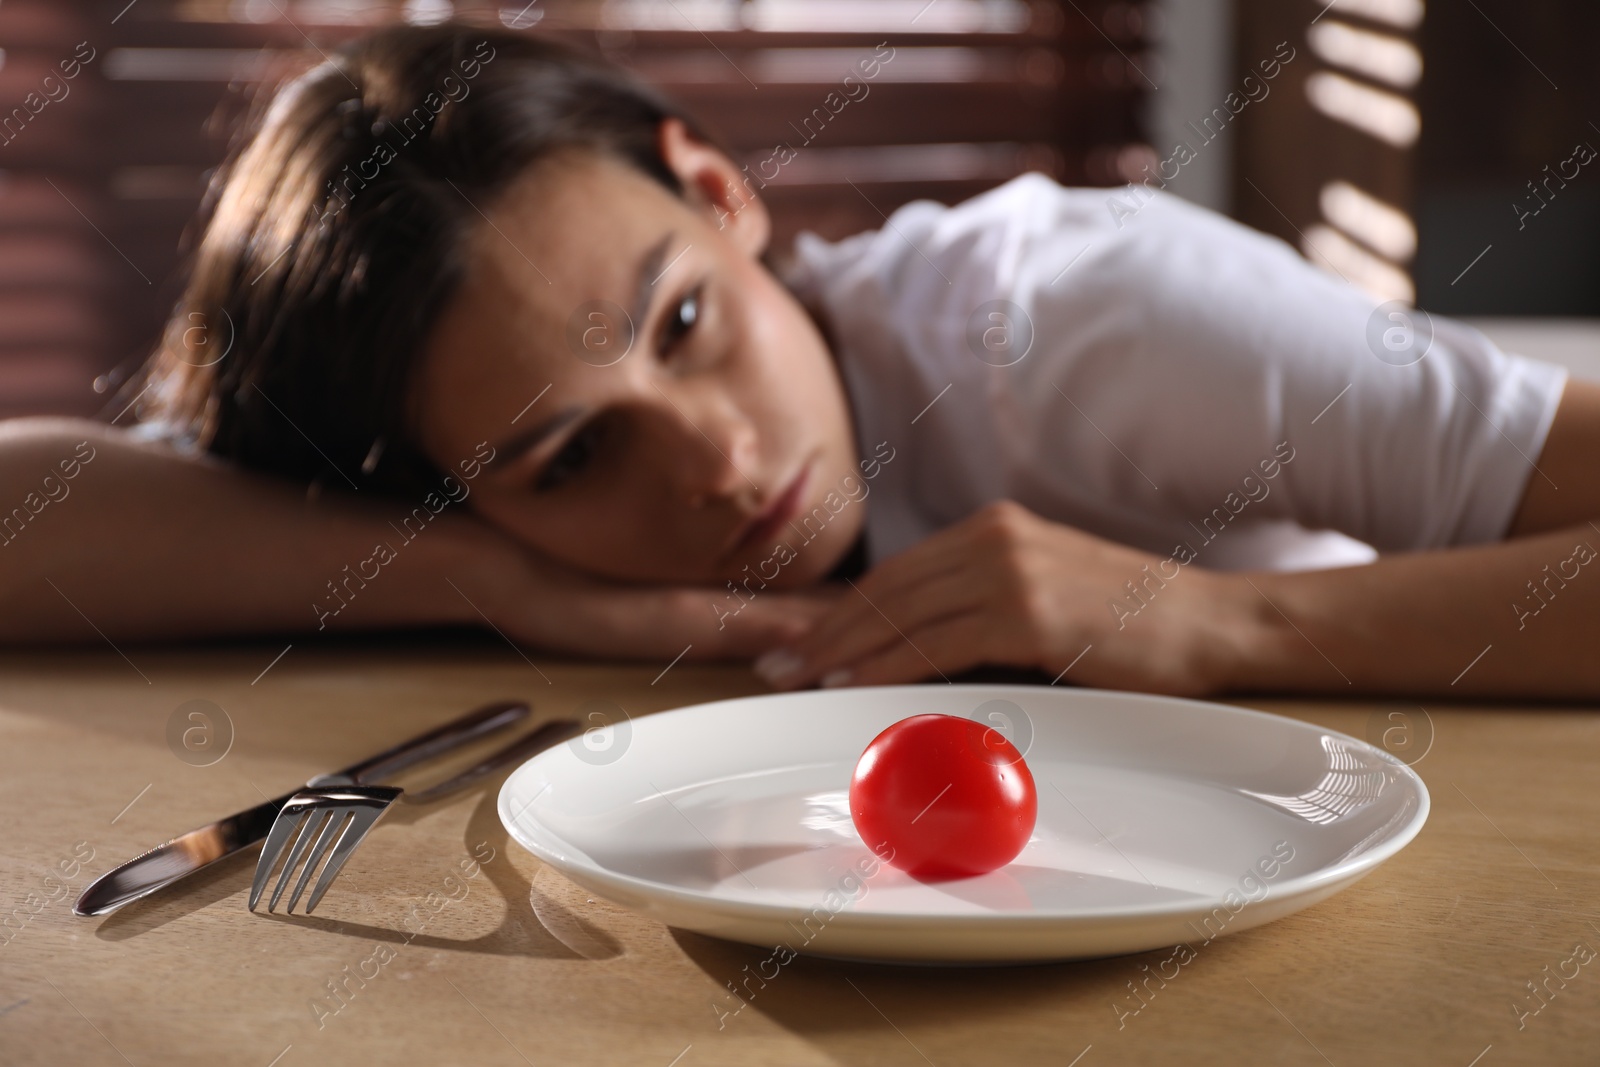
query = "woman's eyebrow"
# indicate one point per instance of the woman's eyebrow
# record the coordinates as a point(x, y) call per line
point(515, 447)
point(648, 273)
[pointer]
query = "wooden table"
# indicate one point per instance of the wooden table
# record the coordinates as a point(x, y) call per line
point(409, 960)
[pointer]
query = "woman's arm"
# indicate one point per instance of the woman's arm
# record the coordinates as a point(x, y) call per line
point(140, 541)
point(1516, 619)
point(1520, 619)
point(106, 536)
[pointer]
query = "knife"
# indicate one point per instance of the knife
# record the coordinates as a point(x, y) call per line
point(546, 736)
point(190, 852)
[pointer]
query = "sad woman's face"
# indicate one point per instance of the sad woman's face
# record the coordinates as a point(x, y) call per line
point(662, 410)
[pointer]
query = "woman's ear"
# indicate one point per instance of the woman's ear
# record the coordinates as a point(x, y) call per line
point(713, 184)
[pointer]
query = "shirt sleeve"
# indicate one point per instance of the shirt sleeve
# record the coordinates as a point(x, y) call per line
point(1199, 349)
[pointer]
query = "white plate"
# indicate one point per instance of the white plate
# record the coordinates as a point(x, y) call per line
point(1161, 821)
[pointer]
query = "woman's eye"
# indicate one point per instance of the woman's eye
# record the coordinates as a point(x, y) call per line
point(681, 320)
point(571, 460)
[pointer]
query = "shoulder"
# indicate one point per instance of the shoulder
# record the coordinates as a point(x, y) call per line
point(922, 231)
point(931, 263)
point(927, 253)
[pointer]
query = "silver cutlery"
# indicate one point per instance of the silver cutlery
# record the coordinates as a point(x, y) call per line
point(350, 811)
point(184, 855)
point(337, 818)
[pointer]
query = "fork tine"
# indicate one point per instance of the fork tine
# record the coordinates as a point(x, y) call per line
point(313, 820)
point(361, 823)
point(332, 829)
point(272, 851)
point(326, 824)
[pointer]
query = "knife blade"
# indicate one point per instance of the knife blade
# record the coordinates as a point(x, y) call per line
point(187, 853)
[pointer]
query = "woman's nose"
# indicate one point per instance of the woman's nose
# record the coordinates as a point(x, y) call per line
point(713, 452)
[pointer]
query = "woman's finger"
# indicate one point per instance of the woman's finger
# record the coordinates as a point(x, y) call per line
point(682, 620)
point(845, 637)
point(875, 595)
point(876, 605)
point(573, 613)
point(773, 618)
point(945, 648)
point(978, 541)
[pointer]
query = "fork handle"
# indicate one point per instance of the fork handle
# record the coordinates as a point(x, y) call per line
point(441, 739)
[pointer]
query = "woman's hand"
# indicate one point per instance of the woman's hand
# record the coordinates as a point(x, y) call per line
point(544, 604)
point(1005, 587)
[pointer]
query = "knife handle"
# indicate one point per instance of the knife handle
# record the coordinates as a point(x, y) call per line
point(453, 734)
point(544, 737)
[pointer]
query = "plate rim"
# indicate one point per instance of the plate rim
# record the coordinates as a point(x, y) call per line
point(634, 887)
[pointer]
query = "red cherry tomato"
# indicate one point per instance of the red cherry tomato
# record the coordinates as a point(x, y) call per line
point(940, 796)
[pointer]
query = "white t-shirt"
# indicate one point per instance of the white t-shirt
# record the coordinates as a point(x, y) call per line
point(1188, 381)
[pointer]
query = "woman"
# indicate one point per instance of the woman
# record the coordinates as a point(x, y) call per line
point(481, 331)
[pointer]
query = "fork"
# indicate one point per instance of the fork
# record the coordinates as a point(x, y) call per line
point(329, 822)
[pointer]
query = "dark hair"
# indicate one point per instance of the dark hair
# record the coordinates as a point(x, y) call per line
point(333, 237)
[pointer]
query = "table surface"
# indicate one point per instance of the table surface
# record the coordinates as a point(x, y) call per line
point(1432, 958)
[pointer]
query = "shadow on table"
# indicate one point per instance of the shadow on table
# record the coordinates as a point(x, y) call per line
point(818, 998)
point(553, 931)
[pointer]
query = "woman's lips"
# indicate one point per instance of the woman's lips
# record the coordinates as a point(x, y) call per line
point(779, 513)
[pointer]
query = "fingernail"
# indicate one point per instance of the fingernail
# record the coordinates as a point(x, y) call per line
point(837, 676)
point(777, 664)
